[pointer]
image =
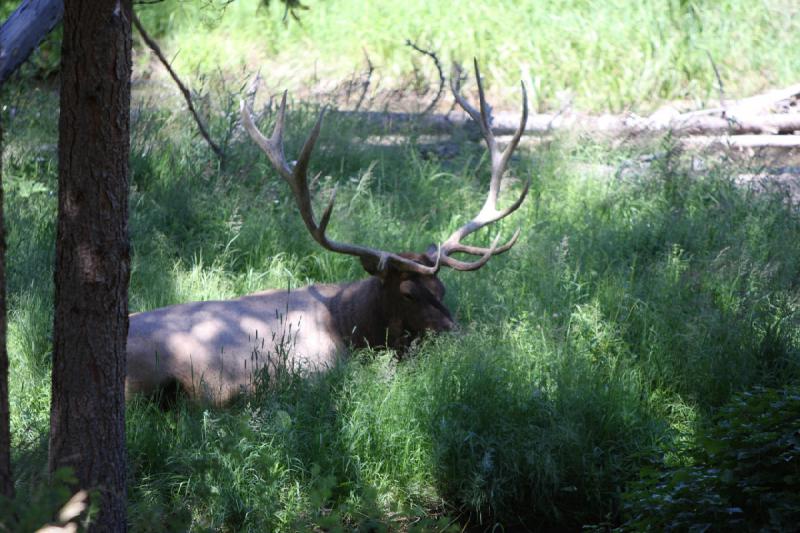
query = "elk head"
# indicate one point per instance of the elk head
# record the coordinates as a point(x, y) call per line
point(410, 295)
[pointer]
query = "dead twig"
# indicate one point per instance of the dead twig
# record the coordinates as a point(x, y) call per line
point(457, 77)
point(367, 80)
point(438, 65)
point(720, 86)
point(186, 94)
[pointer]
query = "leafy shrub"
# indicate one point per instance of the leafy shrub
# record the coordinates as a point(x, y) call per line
point(745, 475)
point(48, 500)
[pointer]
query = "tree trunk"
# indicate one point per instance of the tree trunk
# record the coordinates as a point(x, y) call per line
point(6, 481)
point(87, 416)
point(24, 30)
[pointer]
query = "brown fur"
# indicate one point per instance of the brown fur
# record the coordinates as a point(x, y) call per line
point(213, 349)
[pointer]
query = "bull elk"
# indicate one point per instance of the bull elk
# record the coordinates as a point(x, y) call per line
point(212, 349)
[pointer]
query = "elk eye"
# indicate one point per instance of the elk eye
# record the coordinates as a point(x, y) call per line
point(407, 296)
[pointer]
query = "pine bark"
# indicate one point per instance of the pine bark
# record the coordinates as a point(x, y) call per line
point(6, 480)
point(87, 416)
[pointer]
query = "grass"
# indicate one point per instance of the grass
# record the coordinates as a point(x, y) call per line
point(634, 306)
point(629, 311)
point(602, 55)
point(595, 55)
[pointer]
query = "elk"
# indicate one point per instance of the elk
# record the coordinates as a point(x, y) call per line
point(212, 349)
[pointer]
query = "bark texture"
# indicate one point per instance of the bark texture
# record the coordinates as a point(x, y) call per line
point(87, 417)
point(6, 481)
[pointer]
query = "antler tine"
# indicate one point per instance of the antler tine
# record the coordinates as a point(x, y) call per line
point(499, 160)
point(298, 182)
point(476, 115)
point(512, 145)
point(486, 110)
point(455, 264)
point(277, 132)
point(480, 250)
point(273, 146)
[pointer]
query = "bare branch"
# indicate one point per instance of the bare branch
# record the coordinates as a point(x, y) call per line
point(720, 86)
point(186, 94)
point(367, 80)
point(438, 65)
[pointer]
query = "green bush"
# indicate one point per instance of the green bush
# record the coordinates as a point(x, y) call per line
point(52, 501)
point(744, 474)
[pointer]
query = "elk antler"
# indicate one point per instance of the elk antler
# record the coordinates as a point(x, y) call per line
point(489, 212)
point(298, 181)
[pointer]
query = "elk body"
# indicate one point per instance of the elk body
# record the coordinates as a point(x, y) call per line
point(214, 349)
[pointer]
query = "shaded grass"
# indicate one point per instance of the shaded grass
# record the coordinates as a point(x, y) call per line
point(629, 310)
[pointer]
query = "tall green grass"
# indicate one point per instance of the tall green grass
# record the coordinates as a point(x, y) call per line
point(631, 308)
point(601, 55)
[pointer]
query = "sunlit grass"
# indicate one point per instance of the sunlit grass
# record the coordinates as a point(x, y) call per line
point(602, 55)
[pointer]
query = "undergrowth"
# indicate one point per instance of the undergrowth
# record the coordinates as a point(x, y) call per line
point(743, 472)
point(632, 308)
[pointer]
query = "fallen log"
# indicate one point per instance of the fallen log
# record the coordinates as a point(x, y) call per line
point(505, 123)
point(742, 142)
point(754, 114)
point(765, 102)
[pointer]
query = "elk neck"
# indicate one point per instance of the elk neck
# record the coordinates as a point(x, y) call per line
point(362, 317)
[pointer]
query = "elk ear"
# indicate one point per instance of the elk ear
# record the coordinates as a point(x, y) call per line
point(432, 253)
point(371, 265)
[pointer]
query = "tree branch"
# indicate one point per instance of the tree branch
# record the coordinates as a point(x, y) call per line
point(24, 29)
point(436, 62)
point(186, 94)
